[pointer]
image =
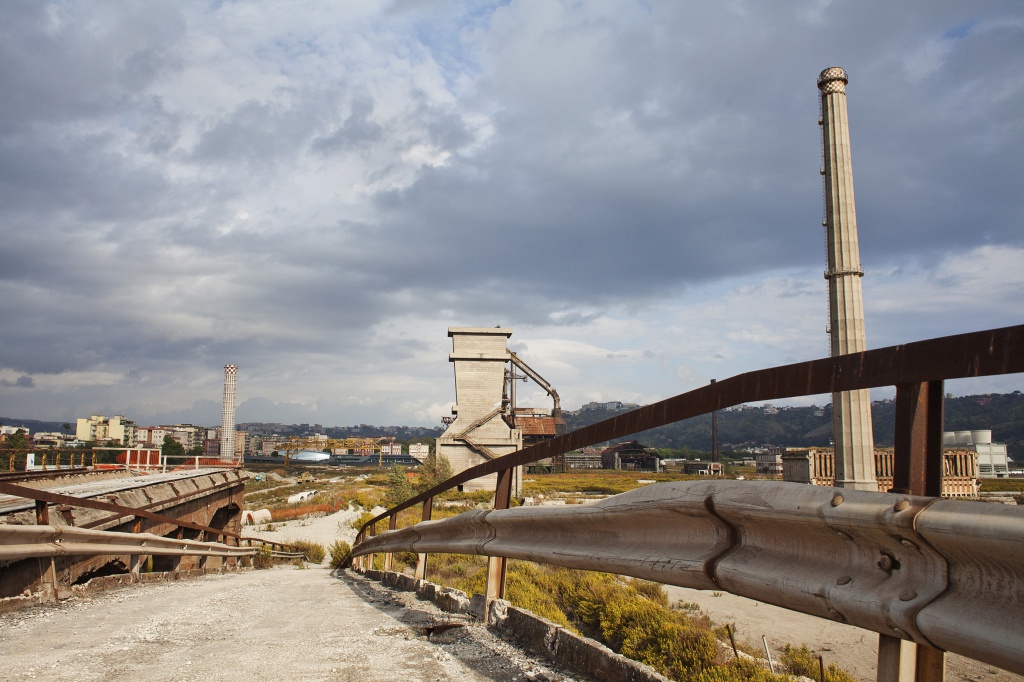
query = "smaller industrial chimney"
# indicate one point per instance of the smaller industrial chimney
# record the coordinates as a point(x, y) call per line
point(227, 419)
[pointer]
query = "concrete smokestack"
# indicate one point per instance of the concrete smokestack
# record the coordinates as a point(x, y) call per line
point(227, 418)
point(851, 410)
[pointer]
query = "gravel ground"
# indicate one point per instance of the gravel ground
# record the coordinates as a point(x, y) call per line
point(322, 529)
point(282, 623)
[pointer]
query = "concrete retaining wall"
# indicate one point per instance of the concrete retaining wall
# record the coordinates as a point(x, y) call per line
point(536, 634)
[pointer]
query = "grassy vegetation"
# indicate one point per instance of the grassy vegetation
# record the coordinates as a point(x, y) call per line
point(804, 662)
point(596, 482)
point(994, 485)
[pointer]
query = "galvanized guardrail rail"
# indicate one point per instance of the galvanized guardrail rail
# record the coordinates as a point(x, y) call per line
point(964, 563)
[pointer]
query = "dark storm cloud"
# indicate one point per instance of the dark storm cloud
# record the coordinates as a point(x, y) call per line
point(183, 185)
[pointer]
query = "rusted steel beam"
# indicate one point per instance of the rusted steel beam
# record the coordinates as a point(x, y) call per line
point(89, 503)
point(984, 353)
point(917, 448)
point(54, 473)
point(946, 574)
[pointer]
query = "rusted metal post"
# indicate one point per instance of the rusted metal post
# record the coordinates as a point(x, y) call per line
point(931, 664)
point(47, 567)
point(496, 565)
point(388, 557)
point(421, 559)
point(917, 470)
point(917, 451)
point(42, 513)
point(371, 530)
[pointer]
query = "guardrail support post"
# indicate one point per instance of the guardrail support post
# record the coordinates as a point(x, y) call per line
point(371, 530)
point(388, 557)
point(917, 447)
point(421, 559)
point(135, 562)
point(496, 565)
point(49, 573)
point(917, 470)
point(896, 659)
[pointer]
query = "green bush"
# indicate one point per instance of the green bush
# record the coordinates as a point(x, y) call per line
point(262, 558)
point(314, 551)
point(341, 554)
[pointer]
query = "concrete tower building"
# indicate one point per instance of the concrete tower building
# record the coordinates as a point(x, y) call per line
point(851, 410)
point(227, 418)
point(479, 432)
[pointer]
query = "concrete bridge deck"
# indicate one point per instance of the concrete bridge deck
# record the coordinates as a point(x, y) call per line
point(278, 624)
point(95, 487)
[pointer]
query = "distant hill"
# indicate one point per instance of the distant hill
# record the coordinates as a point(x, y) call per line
point(1003, 413)
point(34, 425)
point(808, 426)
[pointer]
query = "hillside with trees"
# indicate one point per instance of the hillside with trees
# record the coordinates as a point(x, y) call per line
point(747, 426)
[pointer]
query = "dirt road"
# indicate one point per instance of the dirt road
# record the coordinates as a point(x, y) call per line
point(278, 624)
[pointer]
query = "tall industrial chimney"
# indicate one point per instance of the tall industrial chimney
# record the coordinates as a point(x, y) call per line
point(227, 418)
point(851, 410)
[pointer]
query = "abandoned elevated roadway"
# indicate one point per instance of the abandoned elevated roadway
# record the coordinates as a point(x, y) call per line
point(47, 524)
point(278, 624)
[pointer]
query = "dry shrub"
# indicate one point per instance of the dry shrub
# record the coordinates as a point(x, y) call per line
point(341, 554)
point(804, 662)
point(262, 558)
point(313, 551)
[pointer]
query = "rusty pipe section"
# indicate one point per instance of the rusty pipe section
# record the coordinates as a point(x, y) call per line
point(24, 542)
point(946, 573)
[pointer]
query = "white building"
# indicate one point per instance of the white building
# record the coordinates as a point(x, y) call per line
point(100, 428)
point(419, 450)
point(993, 461)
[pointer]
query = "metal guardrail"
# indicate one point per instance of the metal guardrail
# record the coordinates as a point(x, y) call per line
point(943, 573)
point(917, 370)
point(25, 542)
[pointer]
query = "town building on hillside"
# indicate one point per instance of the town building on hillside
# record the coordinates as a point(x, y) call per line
point(100, 428)
point(419, 451)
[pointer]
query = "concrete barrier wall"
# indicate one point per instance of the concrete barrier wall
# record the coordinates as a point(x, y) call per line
point(533, 633)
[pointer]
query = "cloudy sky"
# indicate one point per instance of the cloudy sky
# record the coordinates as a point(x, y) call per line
point(315, 191)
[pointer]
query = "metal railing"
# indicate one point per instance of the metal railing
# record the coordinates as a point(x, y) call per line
point(917, 370)
point(26, 542)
